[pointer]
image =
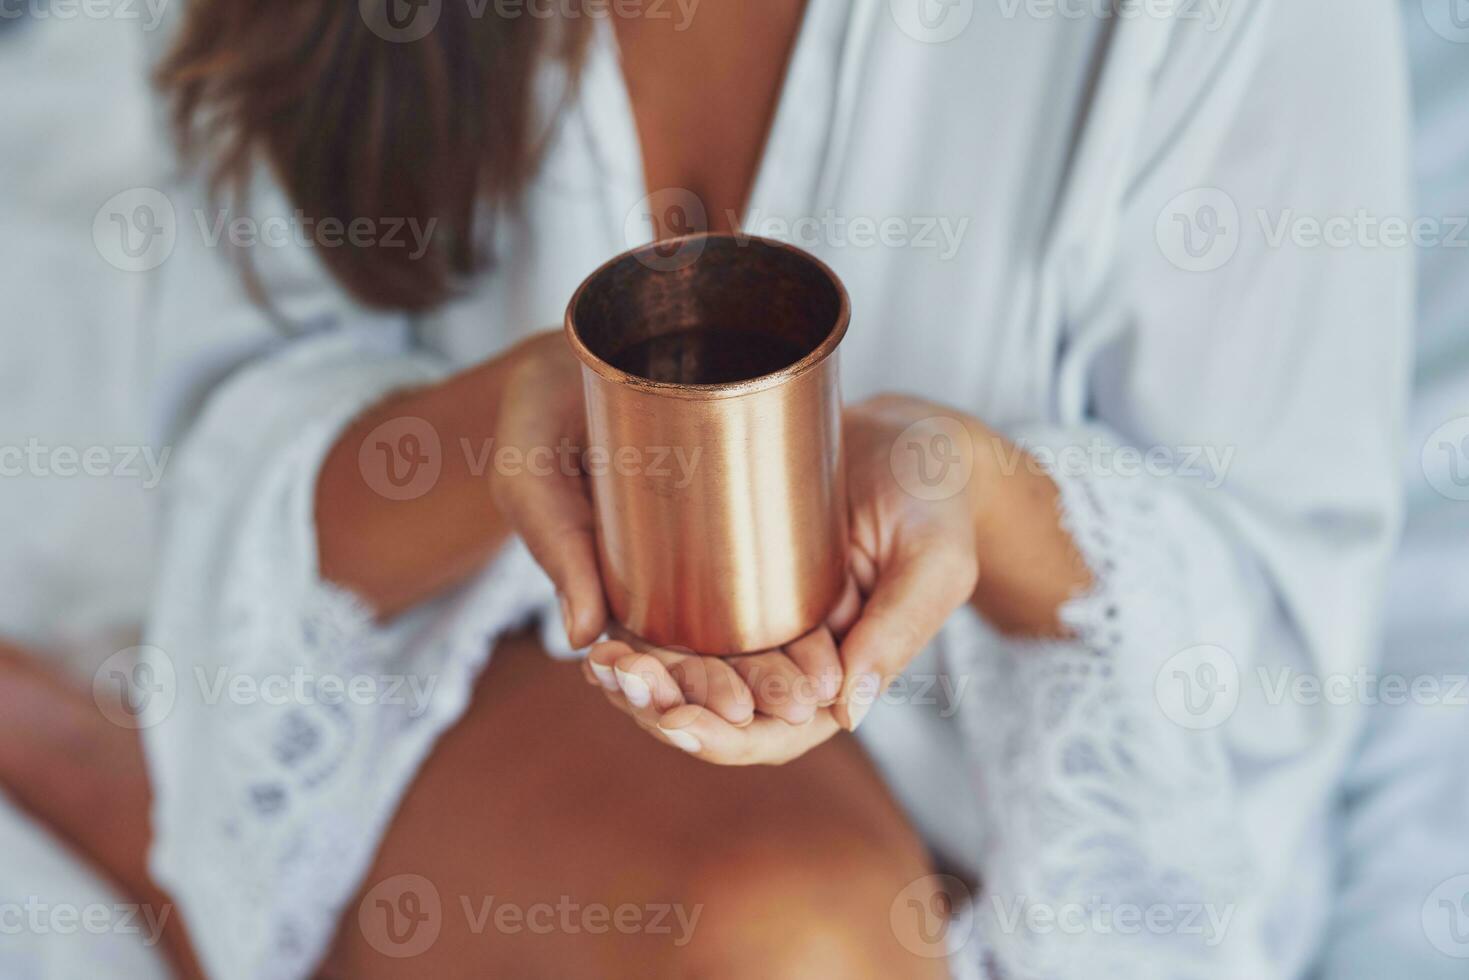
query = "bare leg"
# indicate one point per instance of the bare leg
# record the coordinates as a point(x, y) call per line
point(85, 779)
point(544, 796)
point(614, 855)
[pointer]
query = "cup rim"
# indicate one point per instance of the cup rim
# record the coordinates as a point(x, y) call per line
point(727, 389)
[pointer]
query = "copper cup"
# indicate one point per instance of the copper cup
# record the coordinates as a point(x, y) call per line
point(714, 440)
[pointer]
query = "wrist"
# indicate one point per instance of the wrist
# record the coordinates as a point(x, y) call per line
point(1030, 566)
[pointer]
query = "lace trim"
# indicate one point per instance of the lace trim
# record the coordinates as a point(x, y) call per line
point(1095, 804)
point(271, 804)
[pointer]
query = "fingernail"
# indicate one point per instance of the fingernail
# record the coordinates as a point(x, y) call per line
point(605, 675)
point(865, 689)
point(565, 614)
point(635, 689)
point(681, 738)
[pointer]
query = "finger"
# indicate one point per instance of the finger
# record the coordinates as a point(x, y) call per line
point(554, 518)
point(709, 681)
point(713, 683)
point(780, 688)
point(766, 741)
point(602, 662)
point(816, 655)
point(548, 506)
point(646, 683)
point(844, 614)
point(914, 595)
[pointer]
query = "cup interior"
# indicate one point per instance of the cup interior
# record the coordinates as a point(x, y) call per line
point(742, 309)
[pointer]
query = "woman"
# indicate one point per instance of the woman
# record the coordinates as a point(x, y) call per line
point(1115, 290)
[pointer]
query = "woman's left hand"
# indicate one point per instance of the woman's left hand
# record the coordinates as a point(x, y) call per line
point(914, 492)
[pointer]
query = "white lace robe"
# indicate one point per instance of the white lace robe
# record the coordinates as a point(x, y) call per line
point(1083, 251)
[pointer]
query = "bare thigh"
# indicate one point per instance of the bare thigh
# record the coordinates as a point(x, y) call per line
point(547, 837)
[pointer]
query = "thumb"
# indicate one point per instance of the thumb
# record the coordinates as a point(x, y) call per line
point(917, 590)
point(553, 517)
point(546, 500)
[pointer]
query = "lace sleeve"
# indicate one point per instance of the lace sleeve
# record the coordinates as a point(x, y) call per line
point(1110, 825)
point(286, 724)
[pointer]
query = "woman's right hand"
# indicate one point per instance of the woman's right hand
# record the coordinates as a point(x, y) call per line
point(546, 499)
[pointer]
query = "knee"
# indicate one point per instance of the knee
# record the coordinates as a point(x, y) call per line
point(820, 910)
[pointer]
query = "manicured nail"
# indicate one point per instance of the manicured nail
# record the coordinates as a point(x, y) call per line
point(565, 614)
point(681, 738)
point(638, 694)
point(831, 686)
point(605, 675)
point(865, 689)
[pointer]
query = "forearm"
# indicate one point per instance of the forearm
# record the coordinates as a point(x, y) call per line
point(394, 553)
point(1029, 565)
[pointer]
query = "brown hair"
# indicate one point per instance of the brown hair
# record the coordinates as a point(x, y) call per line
point(356, 125)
